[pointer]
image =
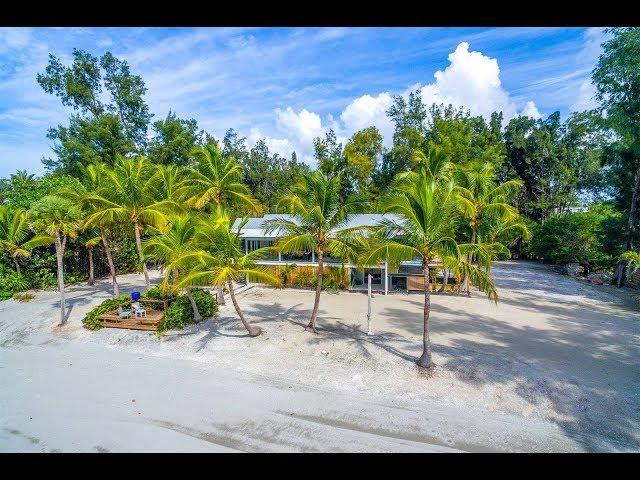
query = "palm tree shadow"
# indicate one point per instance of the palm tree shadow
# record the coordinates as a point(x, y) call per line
point(209, 329)
point(355, 336)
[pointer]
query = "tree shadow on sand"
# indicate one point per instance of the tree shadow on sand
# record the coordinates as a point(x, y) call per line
point(584, 367)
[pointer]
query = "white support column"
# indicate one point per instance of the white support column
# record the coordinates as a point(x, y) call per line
point(386, 277)
point(369, 329)
point(246, 246)
point(313, 256)
point(279, 256)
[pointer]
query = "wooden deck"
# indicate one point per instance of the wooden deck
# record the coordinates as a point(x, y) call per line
point(150, 322)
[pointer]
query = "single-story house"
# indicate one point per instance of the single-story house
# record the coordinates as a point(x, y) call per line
point(407, 276)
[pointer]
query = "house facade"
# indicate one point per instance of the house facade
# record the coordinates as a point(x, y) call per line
point(406, 277)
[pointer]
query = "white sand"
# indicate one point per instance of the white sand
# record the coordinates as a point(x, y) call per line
point(552, 367)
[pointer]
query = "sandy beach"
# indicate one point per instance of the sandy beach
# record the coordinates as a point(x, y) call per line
point(552, 367)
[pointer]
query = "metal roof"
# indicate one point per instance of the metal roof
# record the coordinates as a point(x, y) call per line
point(254, 226)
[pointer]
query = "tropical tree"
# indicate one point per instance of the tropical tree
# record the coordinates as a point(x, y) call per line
point(14, 231)
point(617, 80)
point(90, 239)
point(59, 218)
point(317, 222)
point(93, 179)
point(130, 194)
point(426, 208)
point(218, 259)
point(170, 248)
point(217, 181)
point(483, 203)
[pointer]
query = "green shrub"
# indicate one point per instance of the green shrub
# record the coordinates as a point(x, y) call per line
point(42, 278)
point(92, 322)
point(179, 313)
point(207, 304)
point(575, 237)
point(11, 282)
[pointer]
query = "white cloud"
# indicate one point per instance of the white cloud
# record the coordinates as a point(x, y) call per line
point(530, 110)
point(471, 80)
point(366, 111)
point(281, 146)
point(302, 127)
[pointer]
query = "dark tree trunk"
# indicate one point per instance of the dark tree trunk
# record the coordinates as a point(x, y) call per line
point(136, 229)
point(253, 331)
point(425, 360)
point(312, 323)
point(633, 212)
point(112, 268)
point(59, 256)
point(17, 264)
point(620, 273)
point(91, 266)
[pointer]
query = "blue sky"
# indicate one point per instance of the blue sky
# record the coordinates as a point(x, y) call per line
point(288, 85)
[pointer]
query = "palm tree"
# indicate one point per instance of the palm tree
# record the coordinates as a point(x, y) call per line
point(90, 239)
point(172, 182)
point(170, 248)
point(218, 259)
point(92, 179)
point(59, 218)
point(483, 203)
point(130, 194)
point(317, 222)
point(425, 208)
point(217, 181)
point(14, 230)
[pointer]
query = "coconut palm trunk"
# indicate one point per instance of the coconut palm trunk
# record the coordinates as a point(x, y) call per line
point(425, 360)
point(112, 268)
point(312, 323)
point(91, 280)
point(253, 331)
point(17, 264)
point(466, 282)
point(60, 242)
point(445, 280)
point(196, 313)
point(221, 295)
point(136, 229)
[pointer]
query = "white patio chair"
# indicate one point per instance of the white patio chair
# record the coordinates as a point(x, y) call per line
point(138, 310)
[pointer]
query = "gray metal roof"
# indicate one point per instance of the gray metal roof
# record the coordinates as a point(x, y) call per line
point(254, 226)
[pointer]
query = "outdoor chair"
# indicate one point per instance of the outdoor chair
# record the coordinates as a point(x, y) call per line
point(138, 310)
point(122, 313)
